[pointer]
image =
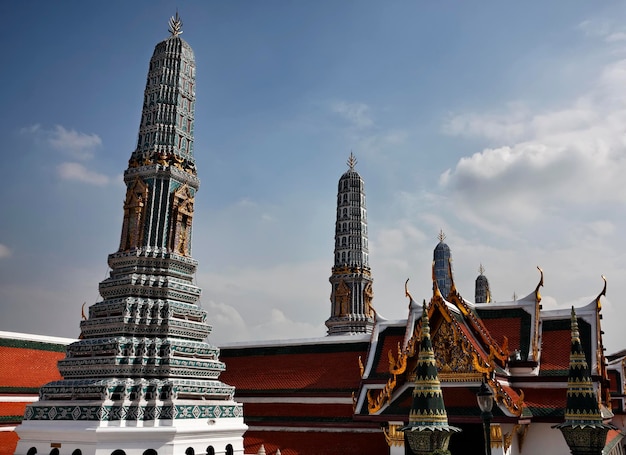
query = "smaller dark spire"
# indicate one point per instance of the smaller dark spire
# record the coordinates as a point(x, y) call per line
point(428, 411)
point(583, 429)
point(482, 294)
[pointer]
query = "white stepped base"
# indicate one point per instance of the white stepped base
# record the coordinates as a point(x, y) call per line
point(172, 437)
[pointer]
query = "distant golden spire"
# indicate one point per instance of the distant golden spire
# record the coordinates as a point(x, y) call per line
point(351, 161)
point(176, 25)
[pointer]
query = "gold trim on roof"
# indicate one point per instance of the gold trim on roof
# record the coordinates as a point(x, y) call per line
point(604, 392)
point(394, 436)
point(537, 310)
point(406, 291)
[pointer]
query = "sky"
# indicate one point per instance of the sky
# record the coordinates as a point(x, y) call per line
point(501, 123)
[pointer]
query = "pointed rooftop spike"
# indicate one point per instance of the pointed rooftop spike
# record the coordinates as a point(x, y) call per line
point(175, 25)
point(441, 235)
point(351, 161)
point(481, 269)
point(583, 429)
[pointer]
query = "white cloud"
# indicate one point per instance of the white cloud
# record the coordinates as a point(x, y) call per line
point(358, 114)
point(566, 157)
point(32, 129)
point(603, 29)
point(5, 252)
point(76, 144)
point(80, 146)
point(79, 173)
point(509, 124)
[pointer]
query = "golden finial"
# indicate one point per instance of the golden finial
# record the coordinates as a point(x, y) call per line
point(481, 269)
point(82, 311)
point(575, 333)
point(441, 235)
point(603, 293)
point(406, 291)
point(351, 161)
point(176, 25)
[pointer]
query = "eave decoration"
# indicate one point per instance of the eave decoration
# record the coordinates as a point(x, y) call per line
point(459, 358)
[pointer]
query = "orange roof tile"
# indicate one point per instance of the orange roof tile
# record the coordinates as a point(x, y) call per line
point(505, 327)
point(8, 442)
point(12, 409)
point(555, 350)
point(23, 367)
point(327, 371)
point(288, 410)
point(315, 443)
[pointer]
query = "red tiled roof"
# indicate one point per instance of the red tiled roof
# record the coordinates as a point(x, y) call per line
point(552, 398)
point(8, 442)
point(505, 327)
point(315, 443)
point(28, 367)
point(390, 342)
point(555, 349)
point(297, 410)
point(330, 371)
point(12, 409)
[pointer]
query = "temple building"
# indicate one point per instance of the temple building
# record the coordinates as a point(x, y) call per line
point(141, 379)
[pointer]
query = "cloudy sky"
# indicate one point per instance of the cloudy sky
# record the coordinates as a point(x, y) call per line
point(502, 123)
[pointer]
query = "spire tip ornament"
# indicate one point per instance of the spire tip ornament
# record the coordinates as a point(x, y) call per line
point(351, 161)
point(175, 25)
point(441, 235)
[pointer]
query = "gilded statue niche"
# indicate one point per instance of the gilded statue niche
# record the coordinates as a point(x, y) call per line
point(368, 296)
point(182, 216)
point(342, 299)
point(134, 215)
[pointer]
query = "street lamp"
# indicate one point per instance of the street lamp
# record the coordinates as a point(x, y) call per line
point(485, 403)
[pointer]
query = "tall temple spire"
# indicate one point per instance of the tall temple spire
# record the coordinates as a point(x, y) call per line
point(482, 293)
point(583, 429)
point(428, 428)
point(142, 361)
point(351, 279)
point(441, 260)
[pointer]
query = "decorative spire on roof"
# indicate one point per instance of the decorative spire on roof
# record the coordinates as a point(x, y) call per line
point(442, 267)
point(428, 428)
point(482, 293)
point(583, 429)
point(351, 161)
point(351, 280)
point(176, 25)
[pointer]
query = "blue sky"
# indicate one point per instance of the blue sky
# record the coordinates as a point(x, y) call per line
point(501, 123)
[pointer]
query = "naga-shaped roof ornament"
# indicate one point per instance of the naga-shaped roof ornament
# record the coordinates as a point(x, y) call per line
point(603, 293)
point(176, 25)
point(351, 161)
